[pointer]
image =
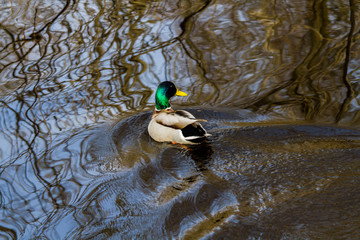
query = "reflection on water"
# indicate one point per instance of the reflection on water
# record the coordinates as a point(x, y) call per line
point(76, 87)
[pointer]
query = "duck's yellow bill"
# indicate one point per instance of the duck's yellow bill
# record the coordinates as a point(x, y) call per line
point(180, 93)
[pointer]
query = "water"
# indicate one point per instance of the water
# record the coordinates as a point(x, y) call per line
point(276, 80)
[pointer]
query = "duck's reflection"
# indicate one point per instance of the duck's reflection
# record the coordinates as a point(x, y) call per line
point(201, 154)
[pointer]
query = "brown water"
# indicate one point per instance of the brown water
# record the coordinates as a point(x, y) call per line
point(276, 80)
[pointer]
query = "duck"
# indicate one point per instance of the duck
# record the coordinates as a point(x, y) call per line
point(174, 126)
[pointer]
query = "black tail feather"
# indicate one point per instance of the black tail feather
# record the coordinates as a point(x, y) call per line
point(194, 130)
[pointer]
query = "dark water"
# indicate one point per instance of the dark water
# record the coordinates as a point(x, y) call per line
point(276, 80)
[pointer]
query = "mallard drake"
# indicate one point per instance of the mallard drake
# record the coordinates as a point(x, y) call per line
point(168, 125)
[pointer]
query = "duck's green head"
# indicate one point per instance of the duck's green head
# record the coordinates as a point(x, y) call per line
point(164, 92)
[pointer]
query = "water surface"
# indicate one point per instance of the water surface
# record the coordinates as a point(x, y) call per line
point(276, 80)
